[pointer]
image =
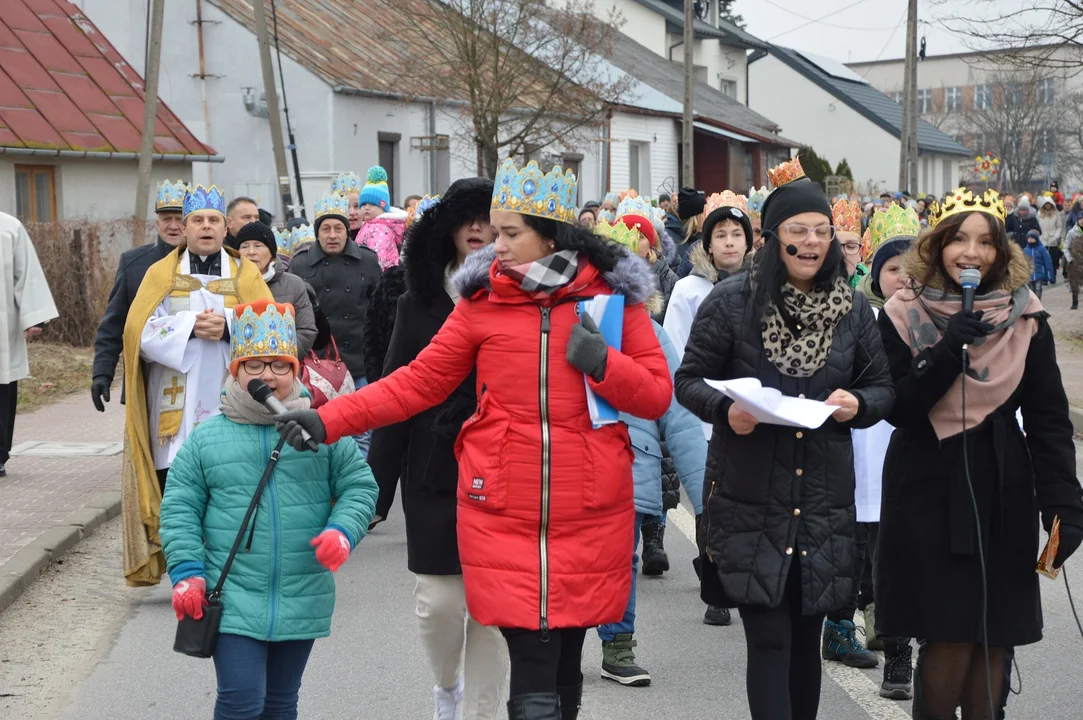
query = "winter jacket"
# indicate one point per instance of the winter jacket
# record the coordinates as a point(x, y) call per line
point(1073, 253)
point(541, 495)
point(1052, 227)
point(1018, 227)
point(689, 292)
point(666, 280)
point(291, 289)
point(344, 284)
point(383, 235)
point(276, 590)
point(930, 577)
point(380, 321)
point(780, 494)
point(1041, 261)
point(685, 442)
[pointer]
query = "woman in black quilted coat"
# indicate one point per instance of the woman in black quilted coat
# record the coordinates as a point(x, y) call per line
point(778, 526)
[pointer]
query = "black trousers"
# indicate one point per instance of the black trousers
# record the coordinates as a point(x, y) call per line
point(9, 398)
point(162, 474)
point(865, 538)
point(783, 677)
point(539, 666)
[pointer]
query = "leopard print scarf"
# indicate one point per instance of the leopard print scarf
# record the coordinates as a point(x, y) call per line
point(815, 316)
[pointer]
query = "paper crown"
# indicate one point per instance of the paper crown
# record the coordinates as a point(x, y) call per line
point(756, 199)
point(262, 329)
point(198, 197)
point(171, 196)
point(301, 235)
point(726, 198)
point(786, 172)
point(962, 200)
point(846, 215)
point(333, 204)
point(895, 222)
point(634, 205)
point(619, 233)
point(347, 184)
point(282, 242)
point(530, 192)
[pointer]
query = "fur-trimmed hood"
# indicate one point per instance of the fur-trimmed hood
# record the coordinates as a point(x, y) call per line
point(428, 247)
point(1019, 268)
point(703, 267)
point(630, 276)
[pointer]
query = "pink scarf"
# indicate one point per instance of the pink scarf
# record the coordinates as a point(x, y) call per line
point(996, 361)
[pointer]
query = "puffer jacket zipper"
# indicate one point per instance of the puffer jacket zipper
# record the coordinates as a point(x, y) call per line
point(543, 529)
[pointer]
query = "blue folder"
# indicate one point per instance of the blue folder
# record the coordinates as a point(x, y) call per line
point(607, 311)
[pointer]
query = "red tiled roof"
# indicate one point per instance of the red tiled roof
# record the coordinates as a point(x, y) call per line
point(63, 86)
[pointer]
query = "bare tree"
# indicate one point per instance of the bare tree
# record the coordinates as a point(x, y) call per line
point(528, 73)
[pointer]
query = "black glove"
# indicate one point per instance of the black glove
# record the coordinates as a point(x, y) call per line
point(291, 423)
point(99, 391)
point(964, 328)
point(1071, 530)
point(587, 349)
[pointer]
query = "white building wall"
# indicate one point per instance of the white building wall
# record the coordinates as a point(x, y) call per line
point(660, 136)
point(646, 27)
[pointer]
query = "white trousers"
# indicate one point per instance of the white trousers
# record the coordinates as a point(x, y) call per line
point(444, 627)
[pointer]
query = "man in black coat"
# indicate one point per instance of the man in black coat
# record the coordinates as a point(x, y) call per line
point(133, 265)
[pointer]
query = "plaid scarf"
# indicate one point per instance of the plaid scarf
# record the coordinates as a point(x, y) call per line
point(541, 278)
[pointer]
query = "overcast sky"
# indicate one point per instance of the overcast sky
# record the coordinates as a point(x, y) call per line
point(859, 30)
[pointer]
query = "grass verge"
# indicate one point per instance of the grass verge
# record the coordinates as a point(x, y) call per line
point(56, 371)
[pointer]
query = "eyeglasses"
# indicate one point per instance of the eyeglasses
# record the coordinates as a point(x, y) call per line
point(851, 248)
point(821, 233)
point(278, 367)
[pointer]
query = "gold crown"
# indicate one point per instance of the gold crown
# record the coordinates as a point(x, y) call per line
point(895, 222)
point(961, 200)
point(726, 198)
point(786, 172)
point(846, 215)
point(619, 233)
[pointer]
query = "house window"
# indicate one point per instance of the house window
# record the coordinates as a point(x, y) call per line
point(1046, 140)
point(639, 167)
point(1045, 91)
point(389, 154)
point(953, 99)
point(728, 87)
point(983, 97)
point(35, 193)
point(925, 101)
point(1013, 94)
point(574, 162)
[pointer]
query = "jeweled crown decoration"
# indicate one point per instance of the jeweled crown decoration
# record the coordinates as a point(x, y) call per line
point(347, 184)
point(786, 172)
point(756, 199)
point(961, 200)
point(846, 215)
point(333, 204)
point(932, 209)
point(171, 196)
point(635, 206)
point(199, 197)
point(282, 242)
point(619, 233)
point(263, 329)
point(301, 235)
point(726, 198)
point(895, 222)
point(529, 191)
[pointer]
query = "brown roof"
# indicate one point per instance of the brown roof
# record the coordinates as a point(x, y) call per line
point(63, 86)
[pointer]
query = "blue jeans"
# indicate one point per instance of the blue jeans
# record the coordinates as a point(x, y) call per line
point(258, 680)
point(362, 440)
point(627, 624)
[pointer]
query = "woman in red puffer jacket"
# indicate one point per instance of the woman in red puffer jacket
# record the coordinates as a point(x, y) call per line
point(544, 501)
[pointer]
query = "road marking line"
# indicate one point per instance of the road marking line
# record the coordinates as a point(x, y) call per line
point(862, 689)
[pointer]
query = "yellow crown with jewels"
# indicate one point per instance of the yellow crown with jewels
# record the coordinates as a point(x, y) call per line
point(171, 196)
point(263, 329)
point(786, 172)
point(529, 191)
point(334, 204)
point(846, 215)
point(895, 222)
point(961, 200)
point(619, 233)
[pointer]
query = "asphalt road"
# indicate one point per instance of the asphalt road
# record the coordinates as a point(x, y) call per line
point(79, 644)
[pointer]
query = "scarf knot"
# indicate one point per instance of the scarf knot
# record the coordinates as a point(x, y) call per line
point(240, 407)
point(546, 275)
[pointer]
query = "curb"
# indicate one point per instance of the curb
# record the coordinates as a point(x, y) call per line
point(27, 565)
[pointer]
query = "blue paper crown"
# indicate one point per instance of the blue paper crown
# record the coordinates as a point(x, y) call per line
point(263, 329)
point(202, 198)
point(530, 192)
point(282, 242)
point(634, 206)
point(334, 204)
point(347, 184)
point(171, 196)
point(299, 236)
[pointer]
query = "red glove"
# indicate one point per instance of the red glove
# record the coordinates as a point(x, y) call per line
point(189, 597)
point(332, 549)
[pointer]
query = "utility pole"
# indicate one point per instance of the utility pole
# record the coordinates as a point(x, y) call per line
point(270, 92)
point(150, 114)
point(914, 114)
point(688, 177)
point(910, 96)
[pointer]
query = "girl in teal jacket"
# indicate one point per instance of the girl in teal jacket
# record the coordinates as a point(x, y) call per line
point(279, 595)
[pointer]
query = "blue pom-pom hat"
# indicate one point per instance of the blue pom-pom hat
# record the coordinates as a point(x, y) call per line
point(375, 191)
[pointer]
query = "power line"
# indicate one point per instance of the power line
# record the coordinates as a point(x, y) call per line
point(820, 20)
point(889, 39)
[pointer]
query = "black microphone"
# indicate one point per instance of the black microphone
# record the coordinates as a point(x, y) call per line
point(791, 249)
point(969, 280)
point(263, 394)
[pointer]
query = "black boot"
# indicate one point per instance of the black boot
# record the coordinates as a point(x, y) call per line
point(571, 699)
point(1075, 301)
point(534, 706)
point(655, 560)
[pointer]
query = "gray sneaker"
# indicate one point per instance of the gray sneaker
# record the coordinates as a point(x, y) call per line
point(619, 662)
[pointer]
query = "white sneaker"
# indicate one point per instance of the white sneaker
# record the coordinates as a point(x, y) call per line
point(448, 701)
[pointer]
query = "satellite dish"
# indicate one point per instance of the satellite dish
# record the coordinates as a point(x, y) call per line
point(701, 8)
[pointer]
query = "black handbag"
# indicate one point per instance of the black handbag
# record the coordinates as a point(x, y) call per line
point(197, 638)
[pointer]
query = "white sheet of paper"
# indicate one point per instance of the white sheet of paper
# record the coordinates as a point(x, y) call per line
point(770, 406)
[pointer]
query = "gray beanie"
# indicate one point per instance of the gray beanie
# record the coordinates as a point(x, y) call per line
point(1023, 204)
